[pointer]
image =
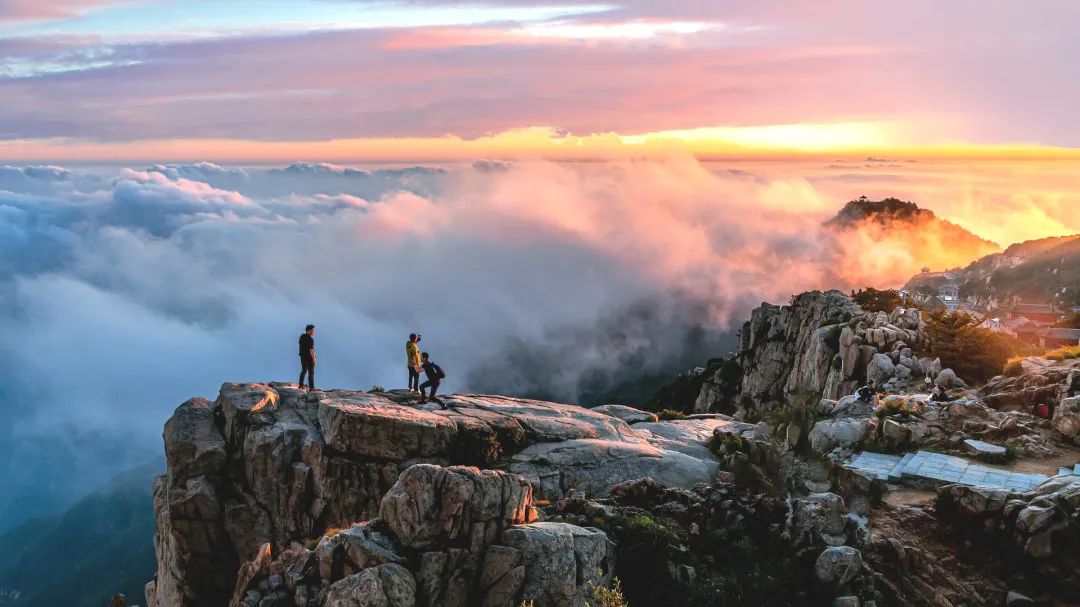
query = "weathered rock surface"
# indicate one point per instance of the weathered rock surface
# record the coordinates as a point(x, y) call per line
point(451, 537)
point(1042, 382)
point(457, 506)
point(270, 464)
point(1040, 524)
point(828, 434)
point(1066, 421)
point(822, 345)
point(785, 349)
point(838, 564)
point(629, 415)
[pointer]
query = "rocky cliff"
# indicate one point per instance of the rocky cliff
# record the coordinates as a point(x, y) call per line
point(267, 464)
point(275, 497)
point(821, 345)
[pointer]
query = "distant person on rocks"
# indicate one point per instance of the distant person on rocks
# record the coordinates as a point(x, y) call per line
point(307, 357)
point(939, 395)
point(434, 374)
point(412, 359)
point(866, 393)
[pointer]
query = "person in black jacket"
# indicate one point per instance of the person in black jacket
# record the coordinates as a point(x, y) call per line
point(307, 357)
point(867, 392)
point(434, 374)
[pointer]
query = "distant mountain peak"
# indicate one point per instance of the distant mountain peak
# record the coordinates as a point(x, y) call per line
point(884, 210)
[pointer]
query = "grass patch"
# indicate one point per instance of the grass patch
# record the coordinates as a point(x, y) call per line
point(1065, 353)
point(608, 597)
point(329, 533)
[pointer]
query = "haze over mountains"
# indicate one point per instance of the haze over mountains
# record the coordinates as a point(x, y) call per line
point(562, 280)
point(571, 282)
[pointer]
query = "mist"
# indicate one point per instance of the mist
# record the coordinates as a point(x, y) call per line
point(126, 291)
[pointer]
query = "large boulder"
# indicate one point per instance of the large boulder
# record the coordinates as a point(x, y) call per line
point(845, 432)
point(456, 506)
point(849, 352)
point(948, 379)
point(1066, 421)
point(384, 586)
point(559, 561)
point(881, 368)
point(838, 565)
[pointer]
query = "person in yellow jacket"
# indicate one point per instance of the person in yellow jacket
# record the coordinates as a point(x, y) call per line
point(412, 359)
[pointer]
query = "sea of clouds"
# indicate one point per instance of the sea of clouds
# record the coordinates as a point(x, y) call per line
point(128, 290)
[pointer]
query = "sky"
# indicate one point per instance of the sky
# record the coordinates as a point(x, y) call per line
point(276, 81)
point(560, 197)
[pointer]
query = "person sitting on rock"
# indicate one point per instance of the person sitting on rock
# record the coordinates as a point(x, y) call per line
point(939, 395)
point(866, 393)
point(434, 374)
point(412, 359)
point(307, 357)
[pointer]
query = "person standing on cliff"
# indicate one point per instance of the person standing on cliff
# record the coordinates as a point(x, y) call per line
point(435, 375)
point(307, 357)
point(412, 359)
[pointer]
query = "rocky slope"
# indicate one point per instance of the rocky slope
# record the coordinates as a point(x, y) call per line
point(269, 464)
point(1036, 270)
point(280, 498)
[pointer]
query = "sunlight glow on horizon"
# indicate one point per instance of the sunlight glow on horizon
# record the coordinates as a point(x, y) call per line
point(764, 142)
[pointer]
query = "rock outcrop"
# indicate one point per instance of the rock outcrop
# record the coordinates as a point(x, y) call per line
point(1039, 382)
point(821, 345)
point(1041, 525)
point(267, 464)
point(445, 537)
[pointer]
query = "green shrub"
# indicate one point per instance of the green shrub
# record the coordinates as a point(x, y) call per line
point(873, 300)
point(1013, 367)
point(608, 597)
point(670, 414)
point(1010, 451)
point(377, 388)
point(974, 353)
point(1067, 352)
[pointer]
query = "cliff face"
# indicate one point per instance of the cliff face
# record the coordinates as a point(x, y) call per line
point(269, 464)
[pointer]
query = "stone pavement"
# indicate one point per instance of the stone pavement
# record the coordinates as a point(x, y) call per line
point(927, 467)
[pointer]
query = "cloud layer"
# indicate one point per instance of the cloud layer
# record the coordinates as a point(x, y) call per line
point(126, 291)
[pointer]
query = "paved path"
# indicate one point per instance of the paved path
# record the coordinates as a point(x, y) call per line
point(940, 469)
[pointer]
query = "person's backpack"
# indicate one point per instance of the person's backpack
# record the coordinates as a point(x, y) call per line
point(439, 371)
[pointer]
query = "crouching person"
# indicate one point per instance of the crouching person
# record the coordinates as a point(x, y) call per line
point(434, 374)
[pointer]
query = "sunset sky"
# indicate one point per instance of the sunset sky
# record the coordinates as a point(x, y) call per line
point(428, 80)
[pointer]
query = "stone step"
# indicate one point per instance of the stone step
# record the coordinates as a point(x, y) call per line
point(876, 464)
point(897, 471)
point(936, 466)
